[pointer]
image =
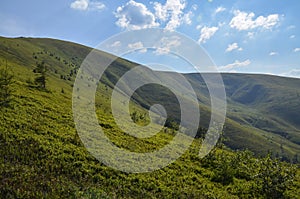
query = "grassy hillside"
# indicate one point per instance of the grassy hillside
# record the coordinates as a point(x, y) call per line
point(262, 112)
point(259, 116)
point(43, 157)
point(268, 103)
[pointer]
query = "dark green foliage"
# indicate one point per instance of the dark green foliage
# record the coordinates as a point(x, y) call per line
point(172, 124)
point(275, 177)
point(138, 117)
point(224, 171)
point(40, 80)
point(270, 178)
point(201, 132)
point(6, 81)
point(135, 117)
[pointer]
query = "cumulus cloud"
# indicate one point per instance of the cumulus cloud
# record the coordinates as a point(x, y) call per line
point(135, 16)
point(220, 9)
point(165, 45)
point(236, 64)
point(296, 50)
point(187, 18)
point(85, 5)
point(246, 21)
point(207, 33)
point(273, 53)
point(172, 13)
point(233, 46)
point(138, 46)
point(80, 5)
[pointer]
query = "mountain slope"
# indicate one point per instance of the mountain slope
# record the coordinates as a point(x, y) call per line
point(262, 110)
point(268, 105)
point(43, 157)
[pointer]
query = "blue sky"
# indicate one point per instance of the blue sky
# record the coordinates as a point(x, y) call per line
point(255, 36)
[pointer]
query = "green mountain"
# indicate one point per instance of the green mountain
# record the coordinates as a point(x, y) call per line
point(42, 155)
point(262, 110)
point(267, 106)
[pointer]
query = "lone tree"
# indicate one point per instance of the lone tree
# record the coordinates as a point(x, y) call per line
point(41, 79)
point(6, 81)
point(172, 124)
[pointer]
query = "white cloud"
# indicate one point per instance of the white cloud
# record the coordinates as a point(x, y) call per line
point(187, 17)
point(165, 45)
point(85, 5)
point(292, 73)
point(207, 33)
point(135, 16)
point(233, 46)
point(172, 13)
point(195, 7)
point(198, 27)
point(292, 36)
point(220, 9)
point(116, 44)
point(246, 21)
point(114, 47)
point(273, 53)
point(296, 50)
point(138, 46)
point(96, 5)
point(80, 4)
point(236, 64)
point(250, 35)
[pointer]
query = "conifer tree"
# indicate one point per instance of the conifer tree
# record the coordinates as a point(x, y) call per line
point(6, 81)
point(41, 79)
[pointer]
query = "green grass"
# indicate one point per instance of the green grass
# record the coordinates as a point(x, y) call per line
point(43, 157)
point(262, 112)
point(262, 108)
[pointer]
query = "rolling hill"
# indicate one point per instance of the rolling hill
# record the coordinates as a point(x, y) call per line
point(262, 112)
point(42, 155)
point(268, 105)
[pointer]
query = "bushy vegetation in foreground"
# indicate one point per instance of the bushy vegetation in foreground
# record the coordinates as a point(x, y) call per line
point(42, 156)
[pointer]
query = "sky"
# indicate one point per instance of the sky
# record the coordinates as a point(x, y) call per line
point(254, 36)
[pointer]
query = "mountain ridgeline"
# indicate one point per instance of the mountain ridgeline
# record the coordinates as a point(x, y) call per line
point(42, 156)
point(262, 110)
